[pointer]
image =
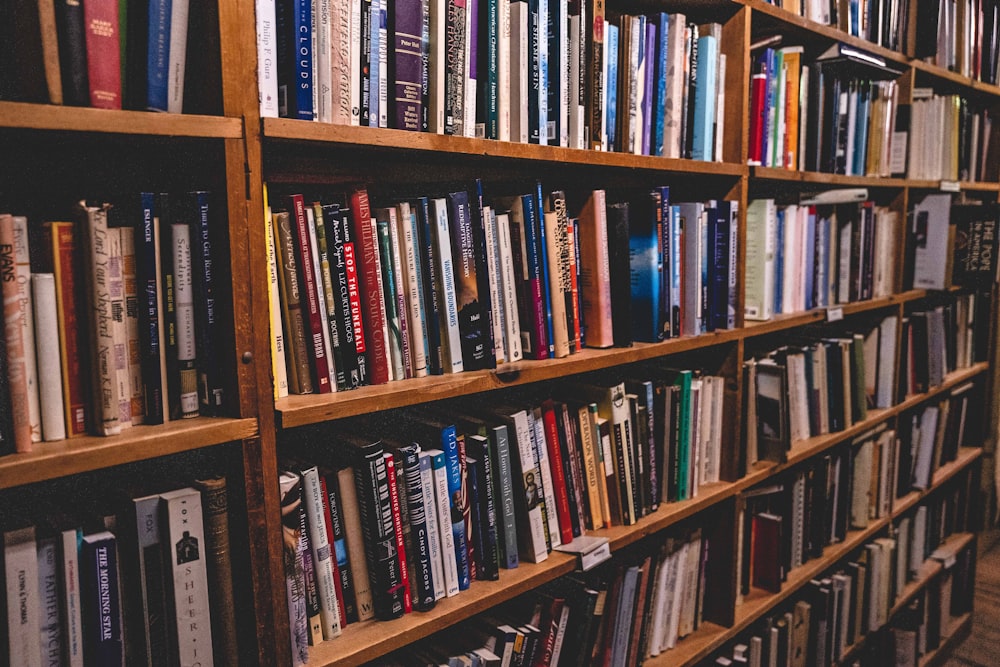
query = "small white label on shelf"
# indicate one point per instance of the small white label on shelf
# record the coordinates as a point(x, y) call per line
point(834, 314)
point(950, 186)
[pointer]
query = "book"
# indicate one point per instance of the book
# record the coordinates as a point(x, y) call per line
point(21, 570)
point(369, 279)
point(155, 580)
point(595, 274)
point(473, 320)
point(100, 598)
point(50, 389)
point(22, 257)
point(290, 497)
point(187, 352)
point(16, 365)
point(103, 54)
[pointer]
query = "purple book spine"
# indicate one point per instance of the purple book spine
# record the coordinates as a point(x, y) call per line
point(647, 110)
point(407, 63)
point(473, 38)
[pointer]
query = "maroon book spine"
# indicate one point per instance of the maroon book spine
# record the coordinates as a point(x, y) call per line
point(62, 241)
point(321, 365)
point(370, 284)
point(104, 70)
point(558, 476)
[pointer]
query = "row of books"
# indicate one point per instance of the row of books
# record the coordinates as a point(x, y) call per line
point(835, 115)
point(882, 22)
point(964, 153)
point(837, 611)
point(485, 489)
point(561, 73)
point(931, 436)
point(145, 581)
point(817, 385)
point(953, 243)
point(960, 35)
point(804, 256)
point(363, 295)
point(113, 55)
point(137, 294)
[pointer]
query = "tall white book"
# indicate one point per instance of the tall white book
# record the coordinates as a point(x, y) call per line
point(185, 537)
point(267, 58)
point(43, 288)
point(22, 259)
point(495, 279)
point(21, 571)
point(519, 69)
point(759, 279)
point(451, 343)
point(326, 585)
point(178, 55)
point(323, 84)
point(410, 258)
point(119, 328)
point(428, 491)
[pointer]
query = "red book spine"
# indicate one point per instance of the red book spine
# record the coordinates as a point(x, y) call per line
point(321, 364)
point(758, 89)
point(104, 70)
point(558, 478)
point(61, 240)
point(330, 540)
point(370, 285)
point(397, 522)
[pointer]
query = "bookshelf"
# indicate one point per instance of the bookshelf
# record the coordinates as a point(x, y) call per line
point(236, 152)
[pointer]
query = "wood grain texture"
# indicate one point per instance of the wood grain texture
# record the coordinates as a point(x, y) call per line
point(77, 119)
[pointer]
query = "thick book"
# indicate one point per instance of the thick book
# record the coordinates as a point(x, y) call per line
point(340, 229)
point(17, 372)
point(184, 534)
point(62, 257)
point(23, 600)
point(101, 600)
point(490, 511)
point(103, 48)
point(295, 59)
point(397, 502)
point(28, 329)
point(322, 555)
point(473, 316)
point(421, 574)
point(210, 381)
point(338, 543)
point(529, 500)
point(154, 584)
point(72, 52)
point(371, 478)
point(297, 355)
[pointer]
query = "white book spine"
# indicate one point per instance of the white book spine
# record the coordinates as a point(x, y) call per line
point(538, 550)
point(562, 17)
point(451, 346)
point(672, 123)
point(132, 346)
point(116, 284)
point(437, 65)
point(178, 55)
point(323, 82)
point(450, 565)
point(340, 65)
point(326, 585)
point(43, 289)
point(720, 107)
point(70, 579)
point(267, 59)
point(21, 570)
point(323, 312)
point(278, 368)
point(23, 261)
point(519, 72)
point(545, 472)
point(497, 304)
point(399, 282)
point(184, 310)
point(512, 320)
point(185, 533)
point(415, 317)
point(50, 629)
point(503, 70)
point(355, 61)
point(576, 108)
point(428, 490)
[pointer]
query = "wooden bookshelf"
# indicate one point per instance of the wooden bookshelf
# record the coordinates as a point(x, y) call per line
point(24, 116)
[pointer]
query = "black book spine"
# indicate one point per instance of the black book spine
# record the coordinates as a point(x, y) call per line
point(337, 227)
point(210, 391)
point(419, 556)
point(340, 548)
point(621, 285)
point(324, 247)
point(72, 52)
point(372, 478)
point(488, 567)
point(169, 312)
point(482, 270)
point(473, 322)
point(366, 64)
point(149, 310)
point(432, 307)
point(692, 86)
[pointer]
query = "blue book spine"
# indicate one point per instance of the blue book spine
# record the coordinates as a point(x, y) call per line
point(663, 231)
point(704, 99)
point(810, 259)
point(779, 261)
point(304, 60)
point(644, 271)
point(378, 24)
point(770, 63)
point(158, 55)
point(429, 282)
point(660, 81)
point(449, 444)
point(149, 314)
point(612, 95)
point(719, 270)
point(210, 391)
point(732, 286)
point(822, 282)
point(706, 254)
point(650, 71)
point(543, 258)
point(423, 581)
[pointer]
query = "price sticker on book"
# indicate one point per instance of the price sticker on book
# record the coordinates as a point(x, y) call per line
point(950, 186)
point(834, 314)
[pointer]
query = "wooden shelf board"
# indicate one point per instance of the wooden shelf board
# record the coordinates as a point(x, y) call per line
point(787, 321)
point(50, 460)
point(954, 77)
point(21, 115)
point(366, 641)
point(826, 180)
point(368, 137)
point(303, 409)
point(966, 455)
point(956, 631)
point(951, 380)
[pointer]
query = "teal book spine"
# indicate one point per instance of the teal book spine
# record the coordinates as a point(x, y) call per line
point(703, 141)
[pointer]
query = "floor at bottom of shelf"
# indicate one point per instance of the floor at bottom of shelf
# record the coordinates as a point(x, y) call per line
point(982, 647)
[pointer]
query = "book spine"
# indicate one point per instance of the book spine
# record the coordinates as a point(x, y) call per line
point(488, 566)
point(103, 53)
point(61, 241)
point(72, 52)
point(427, 491)
point(442, 498)
point(151, 563)
point(322, 216)
point(549, 511)
point(210, 391)
point(559, 489)
point(377, 527)
point(451, 346)
point(23, 600)
point(428, 251)
point(101, 610)
point(528, 496)
point(133, 348)
point(290, 496)
point(351, 512)
point(28, 328)
point(294, 323)
point(69, 578)
point(473, 322)
point(366, 251)
point(512, 320)
point(406, 64)
point(320, 364)
point(354, 324)
point(413, 295)
point(187, 359)
point(312, 220)
point(398, 510)
point(116, 288)
point(178, 55)
point(536, 288)
point(503, 476)
point(453, 466)
point(267, 77)
point(17, 375)
point(395, 347)
point(326, 586)
point(456, 67)
point(49, 373)
point(399, 277)
point(419, 551)
point(495, 285)
point(184, 526)
point(158, 54)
